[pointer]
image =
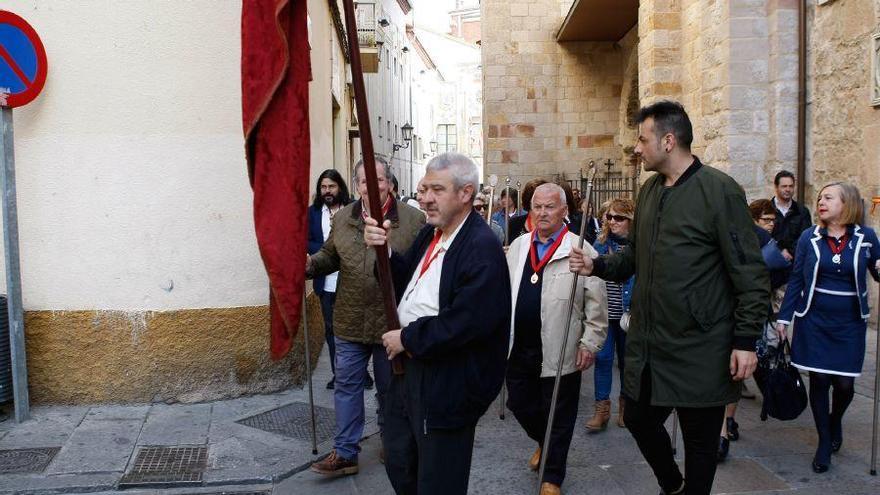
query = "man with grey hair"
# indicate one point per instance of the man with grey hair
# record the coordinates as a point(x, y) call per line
point(453, 350)
point(358, 328)
point(541, 284)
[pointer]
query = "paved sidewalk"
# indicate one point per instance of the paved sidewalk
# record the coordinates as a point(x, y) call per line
point(99, 445)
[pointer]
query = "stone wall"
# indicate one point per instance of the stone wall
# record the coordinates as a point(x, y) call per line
point(548, 107)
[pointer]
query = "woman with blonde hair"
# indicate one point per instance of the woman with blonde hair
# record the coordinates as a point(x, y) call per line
point(618, 215)
point(827, 304)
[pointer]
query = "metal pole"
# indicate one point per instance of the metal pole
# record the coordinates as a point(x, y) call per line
point(876, 396)
point(501, 407)
point(674, 431)
point(570, 307)
point(13, 270)
point(876, 201)
point(308, 360)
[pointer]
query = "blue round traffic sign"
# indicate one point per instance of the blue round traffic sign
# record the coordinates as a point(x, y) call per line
point(23, 64)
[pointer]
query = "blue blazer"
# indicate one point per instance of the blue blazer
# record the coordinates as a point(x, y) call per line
point(458, 357)
point(316, 240)
point(802, 283)
point(609, 246)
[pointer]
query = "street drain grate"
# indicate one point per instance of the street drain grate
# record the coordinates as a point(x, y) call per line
point(294, 420)
point(19, 461)
point(166, 466)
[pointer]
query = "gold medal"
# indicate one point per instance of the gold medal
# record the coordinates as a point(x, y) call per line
point(534, 278)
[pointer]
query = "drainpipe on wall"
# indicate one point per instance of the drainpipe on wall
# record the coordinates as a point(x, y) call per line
point(802, 102)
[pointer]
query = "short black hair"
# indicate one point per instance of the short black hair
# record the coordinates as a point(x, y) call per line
point(514, 195)
point(669, 117)
point(781, 175)
point(335, 176)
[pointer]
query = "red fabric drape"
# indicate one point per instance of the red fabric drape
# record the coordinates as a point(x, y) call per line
point(275, 72)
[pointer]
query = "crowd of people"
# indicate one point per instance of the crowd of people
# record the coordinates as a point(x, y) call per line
point(679, 284)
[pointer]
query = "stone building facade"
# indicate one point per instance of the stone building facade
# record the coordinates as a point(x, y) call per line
point(563, 78)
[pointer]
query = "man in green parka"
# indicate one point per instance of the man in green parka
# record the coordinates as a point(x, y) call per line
point(699, 301)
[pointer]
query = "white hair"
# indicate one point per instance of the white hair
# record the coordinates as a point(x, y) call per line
point(552, 188)
point(464, 170)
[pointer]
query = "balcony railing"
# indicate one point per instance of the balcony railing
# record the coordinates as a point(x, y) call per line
point(366, 23)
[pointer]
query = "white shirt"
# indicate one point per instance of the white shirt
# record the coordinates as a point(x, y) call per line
point(422, 294)
point(779, 206)
point(326, 224)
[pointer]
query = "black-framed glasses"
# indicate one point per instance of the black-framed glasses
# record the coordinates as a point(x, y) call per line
point(768, 219)
point(616, 218)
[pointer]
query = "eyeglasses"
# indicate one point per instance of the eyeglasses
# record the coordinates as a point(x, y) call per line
point(767, 219)
point(480, 207)
point(616, 218)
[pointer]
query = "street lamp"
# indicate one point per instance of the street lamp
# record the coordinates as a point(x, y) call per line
point(433, 145)
point(407, 137)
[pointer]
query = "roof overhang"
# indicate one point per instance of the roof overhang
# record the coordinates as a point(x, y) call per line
point(599, 20)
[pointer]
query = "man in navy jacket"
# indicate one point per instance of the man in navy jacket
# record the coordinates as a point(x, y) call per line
point(331, 194)
point(455, 349)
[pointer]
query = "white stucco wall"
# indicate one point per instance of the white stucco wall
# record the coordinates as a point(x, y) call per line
point(130, 167)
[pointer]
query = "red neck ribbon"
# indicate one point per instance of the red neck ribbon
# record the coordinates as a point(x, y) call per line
point(533, 250)
point(430, 255)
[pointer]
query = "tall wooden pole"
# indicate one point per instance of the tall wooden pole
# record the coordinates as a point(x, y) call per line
point(366, 139)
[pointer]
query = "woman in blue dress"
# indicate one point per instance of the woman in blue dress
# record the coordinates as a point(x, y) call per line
point(827, 303)
point(612, 238)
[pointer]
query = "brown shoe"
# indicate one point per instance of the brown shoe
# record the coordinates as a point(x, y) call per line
point(535, 460)
point(550, 489)
point(621, 405)
point(600, 418)
point(333, 465)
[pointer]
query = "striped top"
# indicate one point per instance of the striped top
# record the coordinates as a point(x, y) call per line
point(615, 300)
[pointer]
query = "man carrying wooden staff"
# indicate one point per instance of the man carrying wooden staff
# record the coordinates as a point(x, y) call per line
point(456, 350)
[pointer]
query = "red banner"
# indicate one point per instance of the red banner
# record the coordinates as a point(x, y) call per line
point(275, 74)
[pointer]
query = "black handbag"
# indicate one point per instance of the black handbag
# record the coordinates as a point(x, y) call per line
point(785, 396)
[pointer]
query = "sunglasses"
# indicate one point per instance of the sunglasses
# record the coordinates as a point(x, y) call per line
point(616, 218)
point(479, 207)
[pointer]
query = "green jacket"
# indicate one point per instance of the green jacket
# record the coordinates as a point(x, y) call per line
point(358, 314)
point(701, 288)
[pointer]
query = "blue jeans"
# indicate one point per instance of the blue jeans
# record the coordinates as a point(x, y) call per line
point(328, 299)
point(348, 396)
point(602, 374)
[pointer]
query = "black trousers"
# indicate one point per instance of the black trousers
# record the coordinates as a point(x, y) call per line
point(700, 428)
point(529, 400)
point(418, 460)
point(328, 300)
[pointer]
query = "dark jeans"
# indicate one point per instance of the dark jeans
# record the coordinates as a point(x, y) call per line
point(529, 400)
point(418, 460)
point(603, 371)
point(700, 428)
point(328, 299)
point(829, 417)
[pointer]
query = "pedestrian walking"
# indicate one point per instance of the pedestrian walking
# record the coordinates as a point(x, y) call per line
point(792, 218)
point(540, 282)
point(358, 327)
point(613, 237)
point(331, 194)
point(481, 206)
point(699, 299)
point(455, 350)
point(826, 303)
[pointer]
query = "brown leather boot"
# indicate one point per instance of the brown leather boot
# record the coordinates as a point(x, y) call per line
point(600, 417)
point(334, 465)
point(535, 460)
point(549, 489)
point(621, 405)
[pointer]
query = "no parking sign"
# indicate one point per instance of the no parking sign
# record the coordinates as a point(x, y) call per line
point(23, 64)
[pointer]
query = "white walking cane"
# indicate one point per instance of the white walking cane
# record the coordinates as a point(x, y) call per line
point(501, 407)
point(545, 446)
point(876, 201)
point(308, 360)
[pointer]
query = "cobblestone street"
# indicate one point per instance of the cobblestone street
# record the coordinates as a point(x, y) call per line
point(99, 446)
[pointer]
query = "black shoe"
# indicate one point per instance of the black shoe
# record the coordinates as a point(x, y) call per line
point(819, 468)
point(723, 449)
point(836, 444)
point(732, 429)
point(331, 384)
point(369, 384)
point(676, 492)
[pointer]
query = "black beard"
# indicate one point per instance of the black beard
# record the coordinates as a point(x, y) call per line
point(330, 199)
